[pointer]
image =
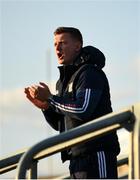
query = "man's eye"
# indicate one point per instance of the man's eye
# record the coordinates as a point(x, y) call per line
point(62, 43)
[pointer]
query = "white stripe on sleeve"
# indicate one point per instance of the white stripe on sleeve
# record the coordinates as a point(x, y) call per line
point(69, 108)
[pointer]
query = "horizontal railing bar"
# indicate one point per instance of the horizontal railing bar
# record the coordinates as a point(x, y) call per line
point(67, 139)
point(121, 160)
point(124, 176)
point(72, 142)
point(8, 168)
point(11, 161)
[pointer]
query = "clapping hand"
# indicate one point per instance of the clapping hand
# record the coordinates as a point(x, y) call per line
point(38, 95)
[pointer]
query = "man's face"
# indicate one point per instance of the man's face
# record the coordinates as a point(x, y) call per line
point(66, 47)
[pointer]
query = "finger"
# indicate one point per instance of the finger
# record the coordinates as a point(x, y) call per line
point(34, 87)
point(34, 90)
point(30, 97)
point(32, 94)
point(26, 90)
point(31, 91)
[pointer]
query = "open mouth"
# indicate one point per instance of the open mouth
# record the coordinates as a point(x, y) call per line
point(60, 55)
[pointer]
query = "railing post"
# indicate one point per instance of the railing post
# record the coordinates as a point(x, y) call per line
point(136, 142)
point(33, 170)
point(131, 156)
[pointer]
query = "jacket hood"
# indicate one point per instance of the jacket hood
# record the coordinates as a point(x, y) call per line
point(91, 55)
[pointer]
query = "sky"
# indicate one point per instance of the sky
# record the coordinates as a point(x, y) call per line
point(27, 57)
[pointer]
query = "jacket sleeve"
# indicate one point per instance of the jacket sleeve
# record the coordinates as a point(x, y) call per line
point(53, 118)
point(89, 87)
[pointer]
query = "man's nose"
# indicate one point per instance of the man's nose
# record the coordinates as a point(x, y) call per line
point(58, 47)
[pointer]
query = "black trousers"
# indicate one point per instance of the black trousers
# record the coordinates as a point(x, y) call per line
point(99, 165)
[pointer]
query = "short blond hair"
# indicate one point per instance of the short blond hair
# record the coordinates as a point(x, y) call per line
point(74, 32)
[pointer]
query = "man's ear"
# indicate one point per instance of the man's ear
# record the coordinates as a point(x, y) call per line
point(78, 46)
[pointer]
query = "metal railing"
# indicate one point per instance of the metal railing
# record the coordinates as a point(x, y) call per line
point(82, 134)
point(10, 163)
point(129, 119)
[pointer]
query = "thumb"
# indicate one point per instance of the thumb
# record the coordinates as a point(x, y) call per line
point(43, 84)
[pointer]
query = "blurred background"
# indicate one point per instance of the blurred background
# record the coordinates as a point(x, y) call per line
point(27, 57)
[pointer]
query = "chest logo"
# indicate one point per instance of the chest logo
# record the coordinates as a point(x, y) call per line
point(70, 87)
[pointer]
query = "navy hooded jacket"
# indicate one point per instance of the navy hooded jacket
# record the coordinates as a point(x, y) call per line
point(82, 95)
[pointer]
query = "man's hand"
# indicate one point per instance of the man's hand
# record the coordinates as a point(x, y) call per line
point(38, 95)
point(42, 92)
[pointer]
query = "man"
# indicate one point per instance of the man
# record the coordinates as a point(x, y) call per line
point(82, 95)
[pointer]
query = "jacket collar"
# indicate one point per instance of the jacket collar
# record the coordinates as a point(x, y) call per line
point(67, 71)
